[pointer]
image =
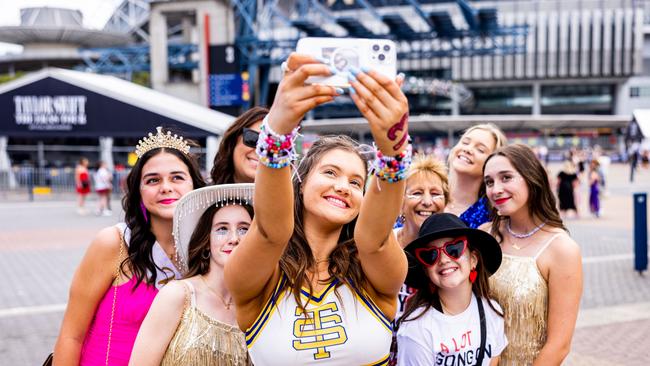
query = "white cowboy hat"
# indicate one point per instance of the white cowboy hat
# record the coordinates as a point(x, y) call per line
point(191, 207)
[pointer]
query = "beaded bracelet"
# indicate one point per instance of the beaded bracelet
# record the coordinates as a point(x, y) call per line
point(393, 168)
point(273, 149)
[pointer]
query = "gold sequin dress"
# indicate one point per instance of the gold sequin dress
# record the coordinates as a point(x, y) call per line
point(522, 292)
point(202, 340)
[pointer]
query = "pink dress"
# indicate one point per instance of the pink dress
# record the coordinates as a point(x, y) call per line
point(130, 309)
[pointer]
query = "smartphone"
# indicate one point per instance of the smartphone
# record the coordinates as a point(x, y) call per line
point(342, 53)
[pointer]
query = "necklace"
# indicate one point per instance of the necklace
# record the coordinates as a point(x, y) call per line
point(225, 304)
point(524, 235)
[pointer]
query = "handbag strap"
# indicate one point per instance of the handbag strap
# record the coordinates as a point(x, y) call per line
point(115, 282)
point(481, 313)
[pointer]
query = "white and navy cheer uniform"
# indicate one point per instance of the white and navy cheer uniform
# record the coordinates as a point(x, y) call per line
point(348, 329)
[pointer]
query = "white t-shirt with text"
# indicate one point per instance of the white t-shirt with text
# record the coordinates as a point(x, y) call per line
point(439, 339)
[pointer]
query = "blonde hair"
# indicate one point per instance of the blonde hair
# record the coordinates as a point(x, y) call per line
point(500, 138)
point(428, 164)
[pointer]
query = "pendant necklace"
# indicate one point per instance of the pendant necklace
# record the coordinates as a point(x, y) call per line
point(524, 235)
point(225, 304)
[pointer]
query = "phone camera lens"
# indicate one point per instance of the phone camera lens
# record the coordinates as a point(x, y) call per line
point(375, 47)
point(386, 48)
point(381, 57)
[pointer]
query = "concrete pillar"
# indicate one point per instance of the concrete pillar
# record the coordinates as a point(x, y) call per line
point(5, 163)
point(211, 148)
point(455, 105)
point(106, 151)
point(537, 99)
point(158, 49)
point(621, 99)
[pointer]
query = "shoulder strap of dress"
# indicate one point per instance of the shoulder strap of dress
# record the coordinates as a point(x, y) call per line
point(548, 242)
point(189, 294)
point(126, 232)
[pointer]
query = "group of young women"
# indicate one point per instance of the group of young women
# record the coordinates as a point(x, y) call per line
point(482, 270)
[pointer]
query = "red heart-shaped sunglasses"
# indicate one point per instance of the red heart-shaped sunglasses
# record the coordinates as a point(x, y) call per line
point(453, 249)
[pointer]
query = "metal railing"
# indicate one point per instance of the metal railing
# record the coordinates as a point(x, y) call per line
point(49, 180)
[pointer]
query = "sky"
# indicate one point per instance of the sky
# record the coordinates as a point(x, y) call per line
point(95, 13)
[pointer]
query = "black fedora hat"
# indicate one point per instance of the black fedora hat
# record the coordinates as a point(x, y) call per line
point(443, 225)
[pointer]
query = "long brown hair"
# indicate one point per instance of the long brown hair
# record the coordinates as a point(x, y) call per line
point(426, 295)
point(297, 259)
point(197, 264)
point(139, 258)
point(541, 201)
point(223, 168)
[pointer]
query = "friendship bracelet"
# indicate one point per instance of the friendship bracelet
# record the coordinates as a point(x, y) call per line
point(273, 149)
point(392, 168)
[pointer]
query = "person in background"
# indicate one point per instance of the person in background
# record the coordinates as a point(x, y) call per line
point(125, 265)
point(467, 198)
point(82, 184)
point(192, 321)
point(539, 283)
point(567, 183)
point(103, 179)
point(236, 160)
point(594, 188)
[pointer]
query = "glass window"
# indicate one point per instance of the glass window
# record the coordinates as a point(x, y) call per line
point(578, 99)
point(500, 100)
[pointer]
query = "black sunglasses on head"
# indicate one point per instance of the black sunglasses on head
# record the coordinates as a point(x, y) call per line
point(249, 137)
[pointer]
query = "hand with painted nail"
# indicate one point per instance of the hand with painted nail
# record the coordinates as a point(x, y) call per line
point(384, 105)
point(294, 98)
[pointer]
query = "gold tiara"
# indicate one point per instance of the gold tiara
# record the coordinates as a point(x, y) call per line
point(161, 140)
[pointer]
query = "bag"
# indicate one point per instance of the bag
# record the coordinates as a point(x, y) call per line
point(50, 357)
point(48, 360)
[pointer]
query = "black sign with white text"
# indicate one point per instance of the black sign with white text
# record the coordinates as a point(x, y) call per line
point(53, 108)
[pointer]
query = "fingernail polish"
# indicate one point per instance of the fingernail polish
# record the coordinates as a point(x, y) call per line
point(366, 69)
point(339, 90)
point(351, 90)
point(351, 78)
point(401, 75)
point(354, 70)
point(322, 60)
point(333, 70)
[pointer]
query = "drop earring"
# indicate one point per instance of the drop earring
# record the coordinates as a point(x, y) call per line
point(144, 212)
point(472, 275)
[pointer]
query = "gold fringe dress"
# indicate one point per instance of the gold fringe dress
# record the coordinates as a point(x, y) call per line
point(203, 340)
point(521, 290)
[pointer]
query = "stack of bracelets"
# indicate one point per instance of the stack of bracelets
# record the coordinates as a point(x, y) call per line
point(275, 150)
point(392, 168)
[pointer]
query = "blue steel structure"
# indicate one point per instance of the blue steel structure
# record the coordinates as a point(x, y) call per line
point(483, 35)
point(129, 59)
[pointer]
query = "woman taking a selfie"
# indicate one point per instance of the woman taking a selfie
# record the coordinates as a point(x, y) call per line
point(316, 278)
